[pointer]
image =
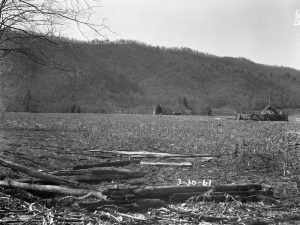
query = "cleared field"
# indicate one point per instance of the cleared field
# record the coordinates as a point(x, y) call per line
point(56, 141)
point(254, 152)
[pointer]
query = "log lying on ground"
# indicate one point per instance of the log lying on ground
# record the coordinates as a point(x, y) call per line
point(128, 162)
point(42, 175)
point(52, 189)
point(143, 154)
point(183, 164)
point(97, 175)
point(106, 164)
point(247, 192)
point(164, 191)
point(35, 181)
point(99, 171)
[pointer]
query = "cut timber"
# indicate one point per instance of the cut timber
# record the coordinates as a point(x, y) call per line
point(106, 164)
point(52, 189)
point(141, 154)
point(184, 164)
point(165, 191)
point(41, 175)
point(97, 175)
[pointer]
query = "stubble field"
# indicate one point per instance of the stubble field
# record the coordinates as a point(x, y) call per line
point(250, 152)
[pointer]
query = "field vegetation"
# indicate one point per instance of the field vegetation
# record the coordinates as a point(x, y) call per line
point(250, 152)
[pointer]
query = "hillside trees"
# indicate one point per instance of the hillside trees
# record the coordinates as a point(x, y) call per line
point(27, 26)
point(133, 77)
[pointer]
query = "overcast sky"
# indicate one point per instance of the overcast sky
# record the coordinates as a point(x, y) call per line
point(260, 30)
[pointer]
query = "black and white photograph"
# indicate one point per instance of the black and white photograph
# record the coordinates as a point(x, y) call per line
point(167, 112)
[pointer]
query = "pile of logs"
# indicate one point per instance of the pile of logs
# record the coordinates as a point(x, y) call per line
point(157, 196)
point(81, 180)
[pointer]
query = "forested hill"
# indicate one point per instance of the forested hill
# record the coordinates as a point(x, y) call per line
point(130, 77)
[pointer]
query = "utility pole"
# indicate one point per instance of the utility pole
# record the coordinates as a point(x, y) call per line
point(269, 96)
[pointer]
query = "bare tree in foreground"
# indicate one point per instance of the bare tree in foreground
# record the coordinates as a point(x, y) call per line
point(41, 19)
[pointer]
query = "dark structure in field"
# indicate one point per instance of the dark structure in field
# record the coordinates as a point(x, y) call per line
point(269, 113)
point(157, 110)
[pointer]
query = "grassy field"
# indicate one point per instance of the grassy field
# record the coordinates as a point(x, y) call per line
point(267, 152)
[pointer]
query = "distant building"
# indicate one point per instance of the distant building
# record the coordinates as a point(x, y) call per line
point(157, 110)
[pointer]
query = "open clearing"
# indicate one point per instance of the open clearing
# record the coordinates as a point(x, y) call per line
point(251, 152)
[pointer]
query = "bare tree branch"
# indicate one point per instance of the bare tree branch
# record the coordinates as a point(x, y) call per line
point(42, 19)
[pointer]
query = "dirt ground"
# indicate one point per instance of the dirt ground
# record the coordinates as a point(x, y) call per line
point(267, 153)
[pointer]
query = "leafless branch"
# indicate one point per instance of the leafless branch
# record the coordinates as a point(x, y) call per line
point(41, 19)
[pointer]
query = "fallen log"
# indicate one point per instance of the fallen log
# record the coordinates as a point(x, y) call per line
point(35, 181)
point(184, 164)
point(144, 154)
point(99, 174)
point(99, 171)
point(86, 179)
point(52, 189)
point(106, 164)
point(93, 179)
point(165, 191)
point(42, 175)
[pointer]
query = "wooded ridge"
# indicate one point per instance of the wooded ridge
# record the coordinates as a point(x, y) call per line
point(131, 77)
